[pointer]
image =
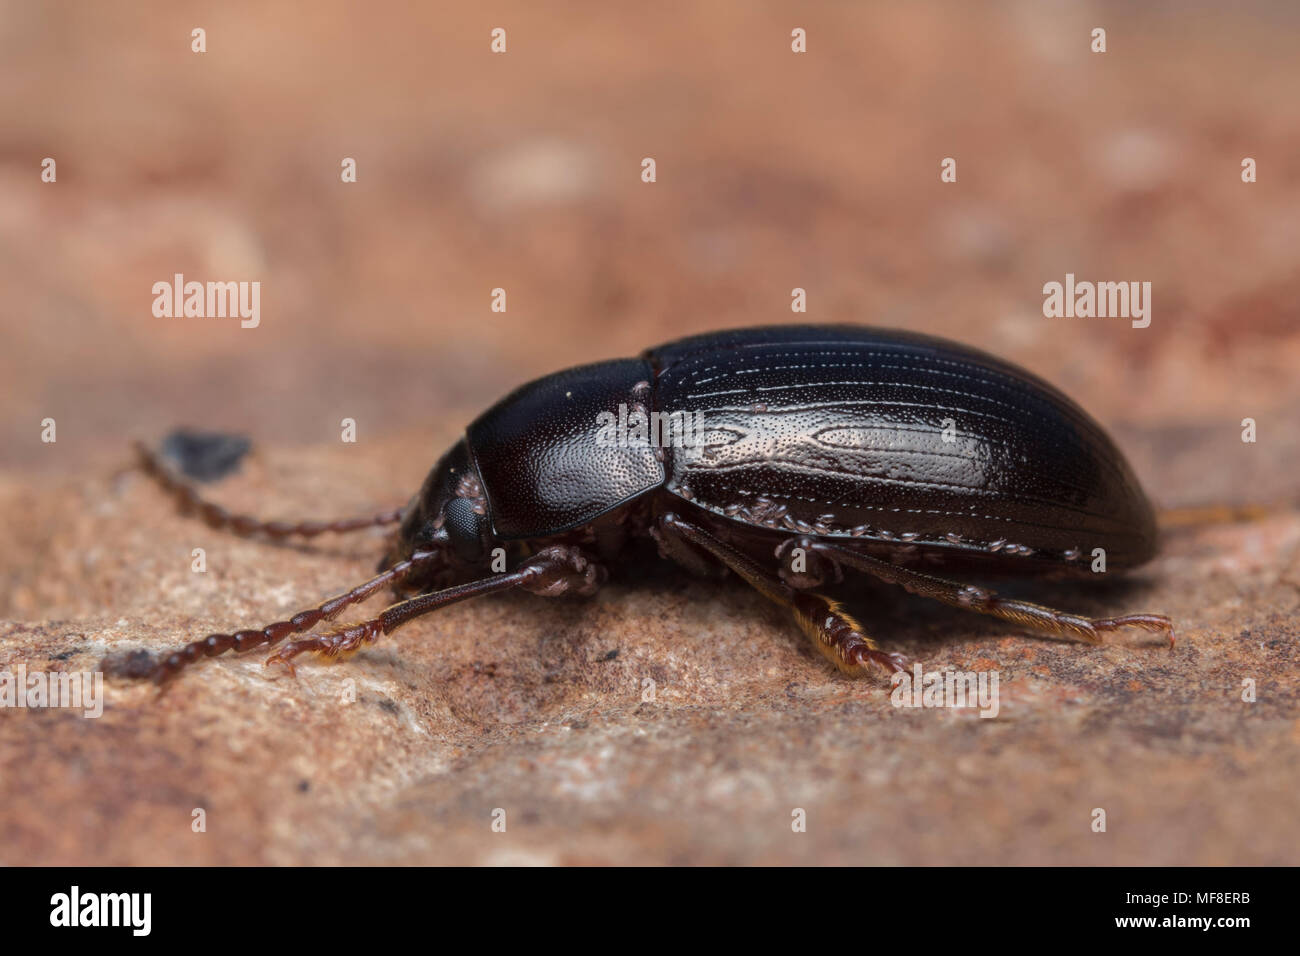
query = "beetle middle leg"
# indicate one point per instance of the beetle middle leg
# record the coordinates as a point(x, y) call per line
point(832, 630)
point(1044, 619)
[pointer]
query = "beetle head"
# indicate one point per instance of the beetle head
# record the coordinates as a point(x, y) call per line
point(449, 515)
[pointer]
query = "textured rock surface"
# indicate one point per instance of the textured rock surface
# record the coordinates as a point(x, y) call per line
point(522, 172)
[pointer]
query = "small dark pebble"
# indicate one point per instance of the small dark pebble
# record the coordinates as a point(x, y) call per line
point(133, 664)
point(204, 456)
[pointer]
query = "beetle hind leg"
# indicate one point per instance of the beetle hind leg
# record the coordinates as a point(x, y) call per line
point(1046, 620)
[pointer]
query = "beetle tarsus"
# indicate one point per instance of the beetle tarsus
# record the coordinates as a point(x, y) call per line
point(889, 662)
point(339, 642)
point(1156, 623)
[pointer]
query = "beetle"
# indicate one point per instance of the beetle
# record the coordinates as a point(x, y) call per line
point(784, 454)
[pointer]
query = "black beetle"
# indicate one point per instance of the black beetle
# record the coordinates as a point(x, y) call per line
point(784, 454)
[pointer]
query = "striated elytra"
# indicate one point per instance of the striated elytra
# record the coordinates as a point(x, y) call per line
point(784, 454)
point(827, 430)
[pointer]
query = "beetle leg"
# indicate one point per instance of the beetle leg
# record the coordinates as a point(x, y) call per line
point(143, 664)
point(802, 567)
point(839, 637)
point(1048, 620)
point(551, 572)
point(674, 547)
point(831, 629)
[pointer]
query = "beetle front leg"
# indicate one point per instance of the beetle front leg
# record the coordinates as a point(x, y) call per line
point(143, 664)
point(551, 572)
point(1044, 619)
point(835, 634)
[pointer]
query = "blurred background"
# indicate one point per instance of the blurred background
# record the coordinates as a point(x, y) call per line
point(522, 171)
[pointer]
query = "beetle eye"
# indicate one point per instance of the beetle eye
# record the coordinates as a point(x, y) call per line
point(465, 527)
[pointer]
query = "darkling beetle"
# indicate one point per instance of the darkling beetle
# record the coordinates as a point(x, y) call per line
point(811, 449)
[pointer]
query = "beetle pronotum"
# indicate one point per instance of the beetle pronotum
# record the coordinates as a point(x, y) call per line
point(822, 448)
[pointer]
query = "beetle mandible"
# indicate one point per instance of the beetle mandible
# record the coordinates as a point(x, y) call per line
point(784, 454)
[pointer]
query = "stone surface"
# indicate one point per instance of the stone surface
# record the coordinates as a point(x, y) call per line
point(775, 171)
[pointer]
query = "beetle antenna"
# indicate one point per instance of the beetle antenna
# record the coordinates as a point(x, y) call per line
point(215, 516)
